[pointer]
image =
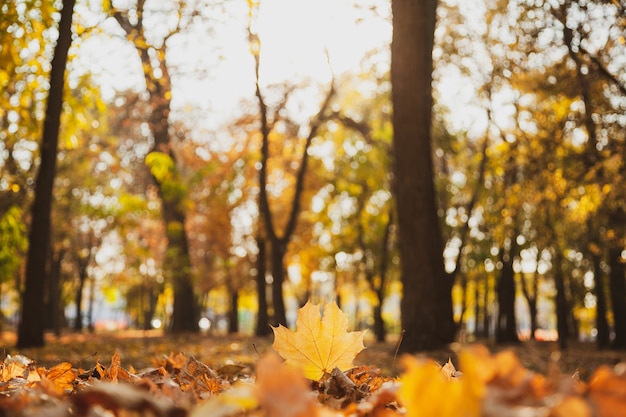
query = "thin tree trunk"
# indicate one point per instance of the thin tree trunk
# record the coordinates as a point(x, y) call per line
point(562, 310)
point(233, 314)
point(279, 240)
point(78, 296)
point(262, 318)
point(531, 299)
point(31, 326)
point(379, 323)
point(279, 249)
point(602, 325)
point(486, 313)
point(506, 329)
point(185, 311)
point(53, 311)
point(153, 298)
point(90, 308)
point(618, 295)
point(158, 85)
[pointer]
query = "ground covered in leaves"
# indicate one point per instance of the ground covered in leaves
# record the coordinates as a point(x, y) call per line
point(146, 373)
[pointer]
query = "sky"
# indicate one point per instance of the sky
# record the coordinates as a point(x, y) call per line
point(215, 71)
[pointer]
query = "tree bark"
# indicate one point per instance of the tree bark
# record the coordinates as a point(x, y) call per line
point(426, 306)
point(185, 311)
point(379, 323)
point(562, 309)
point(31, 326)
point(78, 296)
point(278, 251)
point(506, 329)
point(53, 307)
point(233, 313)
point(531, 299)
point(617, 285)
point(602, 325)
point(262, 319)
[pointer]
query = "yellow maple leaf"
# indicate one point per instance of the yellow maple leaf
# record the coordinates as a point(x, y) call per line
point(320, 342)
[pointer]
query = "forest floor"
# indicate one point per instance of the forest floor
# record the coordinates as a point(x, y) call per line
point(140, 349)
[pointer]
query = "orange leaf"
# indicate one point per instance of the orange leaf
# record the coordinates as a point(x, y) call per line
point(283, 391)
point(116, 373)
point(607, 391)
point(319, 344)
point(62, 375)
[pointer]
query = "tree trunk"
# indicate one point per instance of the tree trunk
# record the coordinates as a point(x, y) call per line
point(506, 328)
point(262, 318)
point(426, 305)
point(233, 314)
point(486, 312)
point(379, 324)
point(153, 298)
point(532, 307)
point(562, 310)
point(31, 326)
point(280, 239)
point(53, 310)
point(618, 295)
point(279, 249)
point(158, 84)
point(90, 307)
point(531, 299)
point(78, 296)
point(602, 325)
point(185, 311)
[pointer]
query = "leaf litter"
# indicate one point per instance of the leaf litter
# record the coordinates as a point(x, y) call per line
point(179, 385)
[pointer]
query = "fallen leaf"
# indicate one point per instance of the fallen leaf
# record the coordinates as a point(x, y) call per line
point(115, 372)
point(283, 391)
point(319, 343)
point(239, 399)
point(62, 375)
point(571, 407)
point(450, 371)
point(118, 397)
point(428, 390)
point(607, 392)
point(14, 367)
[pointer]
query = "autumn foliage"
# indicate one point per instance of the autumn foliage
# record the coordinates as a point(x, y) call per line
point(321, 347)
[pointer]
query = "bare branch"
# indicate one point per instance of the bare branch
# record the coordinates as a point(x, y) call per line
point(604, 71)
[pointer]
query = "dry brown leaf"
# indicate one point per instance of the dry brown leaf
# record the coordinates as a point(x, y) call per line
point(115, 372)
point(370, 376)
point(118, 397)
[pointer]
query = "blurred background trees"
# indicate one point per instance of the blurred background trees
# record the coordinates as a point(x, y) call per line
point(168, 212)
